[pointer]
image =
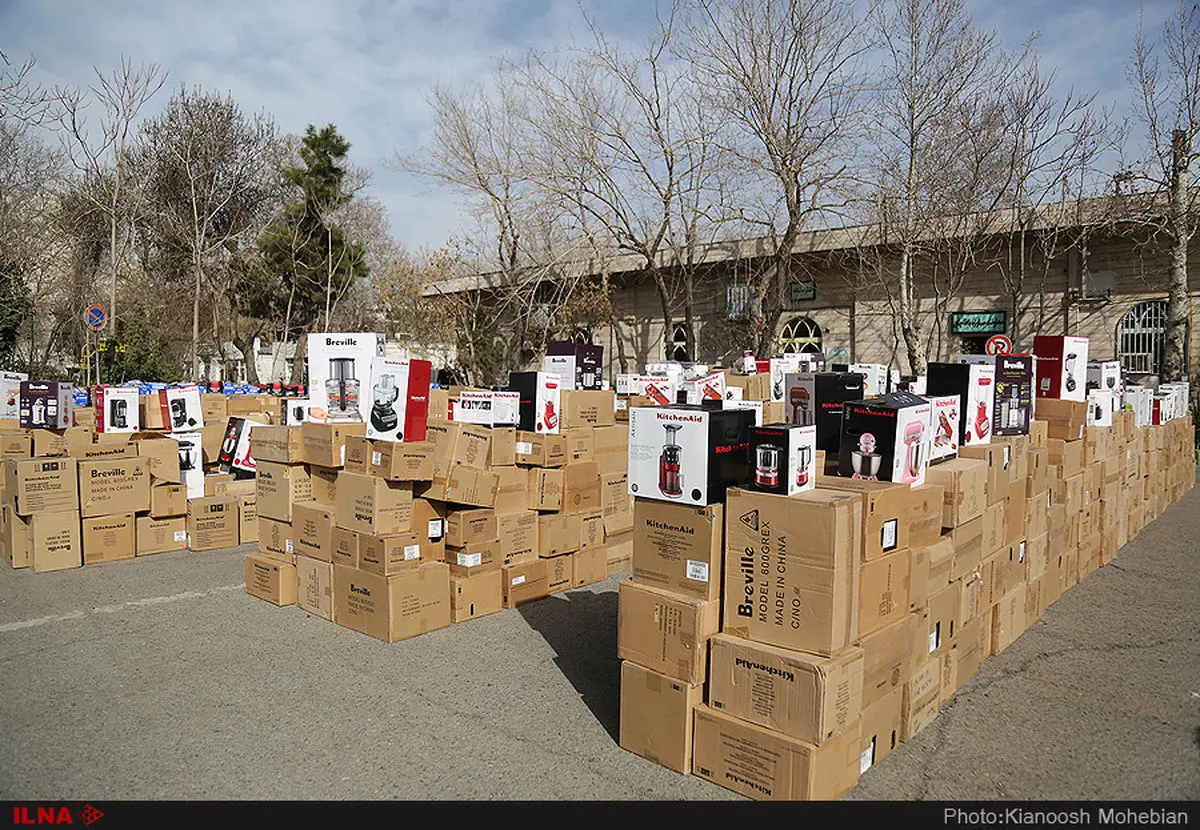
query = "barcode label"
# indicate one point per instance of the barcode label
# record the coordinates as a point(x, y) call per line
point(518, 580)
point(287, 545)
point(697, 570)
point(888, 534)
point(471, 560)
point(412, 552)
point(181, 536)
point(376, 458)
point(435, 528)
point(524, 448)
point(933, 641)
point(867, 759)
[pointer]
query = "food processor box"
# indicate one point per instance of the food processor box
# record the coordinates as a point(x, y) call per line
point(398, 407)
point(1100, 407)
point(875, 378)
point(45, 405)
point(783, 458)
point(944, 425)
point(541, 406)
point(10, 395)
point(688, 454)
point(181, 408)
point(816, 398)
point(339, 375)
point(886, 439)
point(975, 383)
point(1061, 367)
point(586, 361)
point(117, 409)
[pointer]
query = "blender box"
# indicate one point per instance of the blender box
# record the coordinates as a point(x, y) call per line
point(1106, 374)
point(10, 394)
point(1061, 367)
point(235, 456)
point(181, 408)
point(399, 404)
point(1140, 400)
point(816, 398)
point(540, 402)
point(753, 406)
point(660, 389)
point(1014, 396)
point(975, 384)
point(707, 388)
point(943, 422)
point(191, 463)
point(45, 405)
point(117, 409)
point(886, 438)
point(1099, 407)
point(339, 375)
point(688, 454)
point(578, 365)
point(779, 367)
point(875, 378)
point(783, 456)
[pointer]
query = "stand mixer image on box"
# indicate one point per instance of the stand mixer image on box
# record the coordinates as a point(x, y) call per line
point(914, 451)
point(800, 400)
point(864, 460)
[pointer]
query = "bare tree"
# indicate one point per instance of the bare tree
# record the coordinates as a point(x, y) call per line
point(22, 100)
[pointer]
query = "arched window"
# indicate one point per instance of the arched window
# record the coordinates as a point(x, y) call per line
point(582, 337)
point(1141, 337)
point(800, 334)
point(679, 347)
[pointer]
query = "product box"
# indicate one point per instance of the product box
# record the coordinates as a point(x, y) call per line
point(465, 527)
point(919, 703)
point(944, 423)
point(1064, 420)
point(816, 399)
point(518, 534)
point(16, 445)
point(340, 375)
point(964, 483)
point(756, 407)
point(1100, 407)
point(163, 455)
point(1140, 399)
point(687, 454)
point(345, 547)
point(117, 409)
point(559, 533)
point(533, 450)
point(881, 728)
point(391, 554)
point(108, 538)
point(589, 565)
point(212, 523)
point(314, 588)
point(324, 444)
point(545, 489)
point(525, 581)
point(783, 458)
point(10, 395)
point(656, 716)
point(925, 514)
point(801, 695)
point(369, 504)
point(312, 526)
point(559, 571)
point(476, 595)
point(279, 487)
point(119, 485)
point(393, 608)
point(887, 659)
point(399, 401)
point(540, 400)
point(584, 408)
point(235, 456)
point(54, 542)
point(581, 487)
point(41, 485)
point(975, 384)
point(805, 547)
point(1105, 374)
point(660, 389)
point(886, 438)
point(664, 631)
point(407, 461)
point(709, 387)
point(1014, 396)
point(271, 579)
point(190, 452)
point(579, 364)
point(876, 380)
point(883, 591)
point(678, 548)
point(159, 535)
point(1061, 367)
point(886, 511)
point(45, 405)
point(247, 518)
point(275, 443)
point(181, 409)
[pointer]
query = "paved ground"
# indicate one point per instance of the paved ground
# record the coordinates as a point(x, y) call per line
point(160, 678)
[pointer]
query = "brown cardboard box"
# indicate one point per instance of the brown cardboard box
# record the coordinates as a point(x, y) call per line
point(216, 484)
point(41, 485)
point(150, 412)
point(1015, 520)
point(1065, 420)
point(439, 404)
point(465, 485)
point(589, 565)
point(52, 442)
point(611, 448)
point(312, 528)
point(54, 542)
point(369, 504)
point(479, 557)
point(968, 548)
point(276, 443)
point(941, 563)
point(559, 533)
point(620, 552)
point(247, 519)
point(458, 444)
point(502, 452)
point(887, 511)
point(466, 526)
point(881, 727)
point(656, 716)
point(765, 765)
point(323, 482)
point(83, 416)
point(159, 535)
point(615, 502)
point(314, 591)
point(212, 522)
point(212, 436)
point(512, 489)
point(279, 486)
point(964, 484)
point(1098, 443)
point(581, 443)
point(664, 631)
point(805, 547)
point(581, 487)
point(918, 577)
point(587, 407)
point(16, 445)
point(940, 622)
point(345, 547)
point(402, 461)
point(1009, 620)
point(241, 404)
point(168, 500)
point(960, 663)
point(919, 703)
point(535, 450)
point(1038, 436)
point(994, 527)
point(925, 515)
point(429, 521)
point(14, 537)
point(391, 554)
point(392, 608)
point(518, 534)
point(1015, 448)
point(1069, 492)
point(1036, 516)
point(592, 530)
point(545, 489)
point(1000, 468)
point(525, 581)
point(270, 579)
point(108, 538)
point(103, 452)
point(678, 547)
point(888, 658)
point(801, 695)
point(559, 571)
point(276, 539)
point(476, 595)
point(883, 591)
point(1037, 477)
point(972, 601)
point(325, 444)
point(358, 454)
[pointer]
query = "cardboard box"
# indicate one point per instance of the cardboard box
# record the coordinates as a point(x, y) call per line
point(559, 571)
point(925, 514)
point(407, 461)
point(619, 552)
point(687, 454)
point(887, 659)
point(679, 548)
point(886, 513)
point(312, 527)
point(581, 487)
point(168, 500)
point(108, 538)
point(765, 765)
point(16, 445)
point(390, 554)
point(919, 703)
point(214, 404)
point(518, 536)
point(45, 405)
point(656, 716)
point(559, 533)
point(476, 595)
point(587, 408)
point(215, 484)
point(1008, 622)
point(1061, 367)
point(54, 541)
point(801, 695)
point(1000, 469)
point(964, 483)
point(940, 620)
point(392, 608)
point(181, 409)
point(616, 506)
point(41, 485)
point(881, 728)
point(941, 563)
point(212, 523)
point(883, 591)
point(108, 450)
point(314, 592)
point(1038, 434)
point(967, 540)
point(502, 452)
point(279, 486)
point(1016, 520)
point(369, 504)
point(524, 582)
point(578, 365)
point(533, 450)
point(995, 527)
point(324, 444)
point(247, 519)
point(358, 454)
point(464, 527)
point(664, 631)
point(886, 438)
point(270, 579)
point(791, 573)
point(158, 535)
point(610, 448)
point(345, 547)
point(975, 384)
point(464, 485)
point(590, 565)
point(545, 489)
point(1064, 419)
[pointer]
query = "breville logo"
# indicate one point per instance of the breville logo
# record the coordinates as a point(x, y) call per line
point(115, 471)
point(349, 341)
point(746, 566)
point(778, 672)
point(1013, 364)
point(357, 589)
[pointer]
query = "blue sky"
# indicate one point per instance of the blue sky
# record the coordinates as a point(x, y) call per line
point(365, 65)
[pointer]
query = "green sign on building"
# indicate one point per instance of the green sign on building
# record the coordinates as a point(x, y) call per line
point(801, 291)
point(978, 322)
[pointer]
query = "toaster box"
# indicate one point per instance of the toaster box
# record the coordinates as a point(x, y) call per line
point(886, 438)
point(45, 405)
point(975, 384)
point(782, 458)
point(688, 454)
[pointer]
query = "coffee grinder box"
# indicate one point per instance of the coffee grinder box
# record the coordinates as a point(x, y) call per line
point(117, 409)
point(399, 402)
point(1061, 367)
point(886, 439)
point(540, 400)
point(687, 454)
point(943, 423)
point(45, 405)
point(783, 456)
point(816, 398)
point(975, 384)
point(181, 408)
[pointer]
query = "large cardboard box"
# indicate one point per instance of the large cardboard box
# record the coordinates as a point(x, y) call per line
point(1001, 468)
point(212, 523)
point(994, 527)
point(883, 591)
point(402, 461)
point(512, 489)
point(276, 444)
point(168, 500)
point(559, 571)
point(886, 513)
point(545, 489)
point(518, 534)
point(610, 448)
point(108, 538)
point(887, 659)
point(16, 445)
point(464, 527)
point(1064, 419)
point(276, 538)
point(919, 703)
point(664, 631)
point(391, 554)
point(54, 542)
point(534, 450)
point(271, 579)
point(791, 573)
point(925, 514)
point(964, 483)
point(325, 444)
point(939, 622)
point(525, 581)
point(369, 504)
point(656, 716)
point(458, 444)
point(247, 519)
point(502, 451)
point(559, 533)
point(345, 547)
point(159, 535)
point(615, 503)
point(279, 486)
point(802, 695)
point(678, 547)
point(102, 452)
point(881, 728)
point(476, 595)
point(587, 408)
point(590, 565)
point(968, 548)
point(41, 485)
point(766, 765)
point(619, 553)
point(581, 487)
point(1008, 623)
point(312, 526)
point(392, 608)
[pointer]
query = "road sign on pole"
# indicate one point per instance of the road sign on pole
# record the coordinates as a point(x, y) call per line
point(998, 344)
point(95, 318)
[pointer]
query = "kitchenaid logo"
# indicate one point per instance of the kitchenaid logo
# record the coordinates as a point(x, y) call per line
point(358, 589)
point(117, 526)
point(348, 341)
point(728, 448)
point(882, 413)
point(832, 405)
point(675, 416)
point(691, 531)
point(774, 670)
point(754, 785)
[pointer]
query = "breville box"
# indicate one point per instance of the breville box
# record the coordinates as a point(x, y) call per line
point(656, 716)
point(247, 519)
point(167, 500)
point(276, 443)
point(45, 405)
point(545, 489)
point(119, 485)
point(533, 450)
point(159, 535)
point(212, 523)
point(271, 579)
point(887, 659)
point(502, 452)
point(108, 538)
point(886, 513)
point(925, 514)
point(476, 595)
point(392, 608)
point(687, 454)
point(679, 548)
point(41, 485)
point(312, 526)
point(369, 504)
point(518, 533)
point(387, 555)
point(54, 542)
point(325, 444)
point(805, 547)
point(802, 695)
point(559, 533)
point(1014, 396)
point(581, 487)
point(525, 581)
point(314, 589)
point(883, 591)
point(664, 631)
point(279, 486)
point(581, 366)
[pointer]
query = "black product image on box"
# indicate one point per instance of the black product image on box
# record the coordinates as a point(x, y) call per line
point(1014, 394)
point(817, 398)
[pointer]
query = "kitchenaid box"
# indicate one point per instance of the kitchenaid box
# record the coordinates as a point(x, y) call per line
point(943, 422)
point(886, 438)
point(708, 388)
point(975, 384)
point(578, 365)
point(1100, 407)
point(540, 400)
point(875, 378)
point(235, 456)
point(687, 453)
point(782, 457)
point(399, 405)
point(116, 409)
point(816, 398)
point(181, 408)
point(10, 394)
point(1061, 367)
point(45, 405)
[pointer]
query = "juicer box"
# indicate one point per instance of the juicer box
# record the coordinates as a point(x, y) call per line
point(1061, 367)
point(816, 398)
point(886, 438)
point(1012, 408)
point(975, 384)
point(399, 402)
point(688, 454)
point(45, 405)
point(782, 456)
point(541, 403)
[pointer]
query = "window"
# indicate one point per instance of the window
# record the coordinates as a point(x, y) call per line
point(737, 301)
point(680, 346)
point(800, 335)
point(582, 337)
point(1141, 336)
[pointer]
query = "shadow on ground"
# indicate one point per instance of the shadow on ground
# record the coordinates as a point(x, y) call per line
point(581, 627)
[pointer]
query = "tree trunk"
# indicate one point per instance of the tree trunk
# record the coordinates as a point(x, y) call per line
point(1178, 300)
point(196, 323)
point(299, 368)
point(909, 332)
point(660, 285)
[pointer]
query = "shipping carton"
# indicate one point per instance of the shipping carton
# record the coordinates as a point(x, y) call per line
point(270, 579)
point(464, 527)
point(964, 483)
point(590, 565)
point(212, 523)
point(324, 444)
point(247, 519)
point(919, 703)
point(392, 608)
point(502, 451)
point(592, 408)
point(518, 536)
point(887, 511)
point(159, 535)
point(925, 514)
point(616, 506)
point(611, 448)
point(881, 728)
point(545, 488)
point(887, 659)
point(968, 548)
point(168, 500)
point(1064, 419)
point(533, 450)
point(679, 548)
point(314, 591)
point(1001, 471)
point(656, 716)
point(664, 631)
point(476, 595)
point(108, 538)
point(559, 533)
point(406, 461)
point(525, 581)
point(883, 591)
point(279, 486)
point(345, 547)
point(1008, 622)
point(390, 554)
point(559, 571)
point(581, 487)
point(369, 504)
point(41, 485)
point(312, 527)
point(54, 541)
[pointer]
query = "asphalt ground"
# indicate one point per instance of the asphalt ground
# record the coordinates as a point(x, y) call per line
point(160, 678)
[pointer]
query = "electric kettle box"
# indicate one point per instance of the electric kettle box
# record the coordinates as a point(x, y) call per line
point(943, 424)
point(181, 408)
point(540, 400)
point(886, 439)
point(975, 384)
point(782, 458)
point(45, 405)
point(398, 409)
point(816, 398)
point(1061, 367)
point(117, 409)
point(688, 454)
